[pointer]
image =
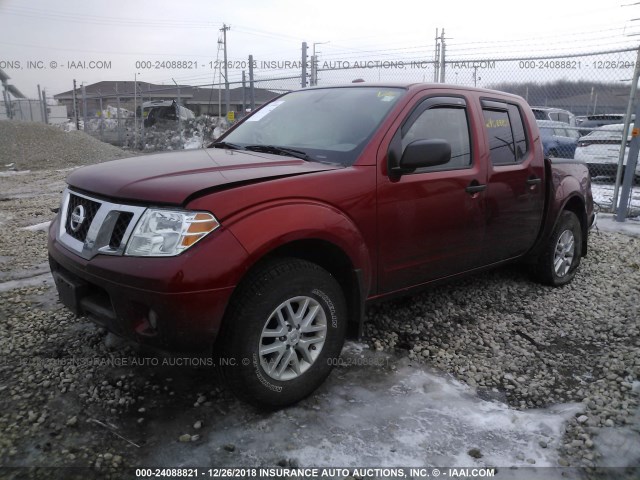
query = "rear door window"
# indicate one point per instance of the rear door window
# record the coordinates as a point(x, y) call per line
point(507, 137)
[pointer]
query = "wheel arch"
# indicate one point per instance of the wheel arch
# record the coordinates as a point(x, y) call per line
point(331, 258)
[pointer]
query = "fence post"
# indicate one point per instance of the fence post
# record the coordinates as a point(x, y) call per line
point(313, 81)
point(84, 108)
point(625, 130)
point(630, 171)
point(252, 94)
point(303, 81)
point(178, 114)
point(143, 139)
point(7, 100)
point(436, 60)
point(75, 106)
point(244, 94)
point(442, 64)
point(44, 107)
point(118, 124)
point(101, 119)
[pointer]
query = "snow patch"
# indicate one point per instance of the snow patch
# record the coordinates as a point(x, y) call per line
point(11, 173)
point(44, 226)
point(381, 411)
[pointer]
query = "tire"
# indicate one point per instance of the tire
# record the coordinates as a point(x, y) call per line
point(267, 355)
point(558, 262)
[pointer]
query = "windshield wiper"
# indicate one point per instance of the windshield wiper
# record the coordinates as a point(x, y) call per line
point(230, 146)
point(292, 152)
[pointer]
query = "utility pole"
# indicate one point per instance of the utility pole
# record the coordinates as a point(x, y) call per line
point(226, 77)
point(303, 82)
point(75, 106)
point(442, 53)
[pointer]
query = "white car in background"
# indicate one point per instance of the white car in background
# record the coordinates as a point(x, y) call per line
point(600, 150)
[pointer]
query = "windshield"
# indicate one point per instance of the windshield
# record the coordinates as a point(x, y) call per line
point(328, 125)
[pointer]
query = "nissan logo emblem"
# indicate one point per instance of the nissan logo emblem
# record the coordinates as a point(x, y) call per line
point(77, 218)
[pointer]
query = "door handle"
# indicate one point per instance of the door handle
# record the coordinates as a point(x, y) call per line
point(475, 187)
point(534, 181)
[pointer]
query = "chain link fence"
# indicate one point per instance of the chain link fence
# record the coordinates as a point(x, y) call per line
point(580, 101)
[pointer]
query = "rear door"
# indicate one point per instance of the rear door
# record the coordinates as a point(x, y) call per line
point(431, 221)
point(515, 192)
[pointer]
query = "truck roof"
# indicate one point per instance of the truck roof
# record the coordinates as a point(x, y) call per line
point(416, 86)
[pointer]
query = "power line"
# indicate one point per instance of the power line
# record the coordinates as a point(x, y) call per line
point(104, 20)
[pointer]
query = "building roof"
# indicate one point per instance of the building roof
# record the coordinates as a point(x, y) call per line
point(126, 89)
point(210, 95)
point(188, 94)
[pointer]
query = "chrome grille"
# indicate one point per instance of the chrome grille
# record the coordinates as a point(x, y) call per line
point(90, 210)
point(106, 227)
point(119, 229)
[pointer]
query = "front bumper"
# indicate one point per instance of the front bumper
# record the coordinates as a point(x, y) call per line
point(174, 303)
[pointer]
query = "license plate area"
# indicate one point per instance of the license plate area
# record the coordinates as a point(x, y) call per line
point(70, 291)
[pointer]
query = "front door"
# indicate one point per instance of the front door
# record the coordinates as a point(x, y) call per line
point(431, 221)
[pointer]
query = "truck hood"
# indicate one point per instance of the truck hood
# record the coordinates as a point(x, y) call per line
point(171, 178)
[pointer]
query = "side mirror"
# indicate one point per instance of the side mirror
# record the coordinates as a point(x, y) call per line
point(422, 154)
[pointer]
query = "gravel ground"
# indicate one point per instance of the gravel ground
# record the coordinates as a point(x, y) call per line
point(512, 340)
point(533, 346)
point(35, 146)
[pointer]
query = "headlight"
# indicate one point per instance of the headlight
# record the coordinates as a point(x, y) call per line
point(162, 233)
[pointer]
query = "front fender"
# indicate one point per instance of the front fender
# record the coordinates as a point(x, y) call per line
point(266, 227)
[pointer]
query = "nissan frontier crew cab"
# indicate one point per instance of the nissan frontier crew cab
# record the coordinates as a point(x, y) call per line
point(266, 247)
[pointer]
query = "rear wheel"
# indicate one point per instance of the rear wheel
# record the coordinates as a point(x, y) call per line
point(560, 258)
point(283, 334)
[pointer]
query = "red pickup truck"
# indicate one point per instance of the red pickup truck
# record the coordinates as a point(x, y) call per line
point(266, 247)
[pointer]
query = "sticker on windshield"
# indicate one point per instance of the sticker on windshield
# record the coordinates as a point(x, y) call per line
point(387, 96)
point(264, 111)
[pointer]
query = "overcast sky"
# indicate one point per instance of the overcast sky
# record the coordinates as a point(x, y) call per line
point(123, 32)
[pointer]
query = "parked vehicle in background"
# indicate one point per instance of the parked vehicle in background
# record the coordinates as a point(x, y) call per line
point(554, 114)
point(167, 110)
point(591, 122)
point(558, 139)
point(600, 150)
point(265, 249)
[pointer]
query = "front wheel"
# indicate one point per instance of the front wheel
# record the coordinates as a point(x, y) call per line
point(560, 258)
point(284, 333)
